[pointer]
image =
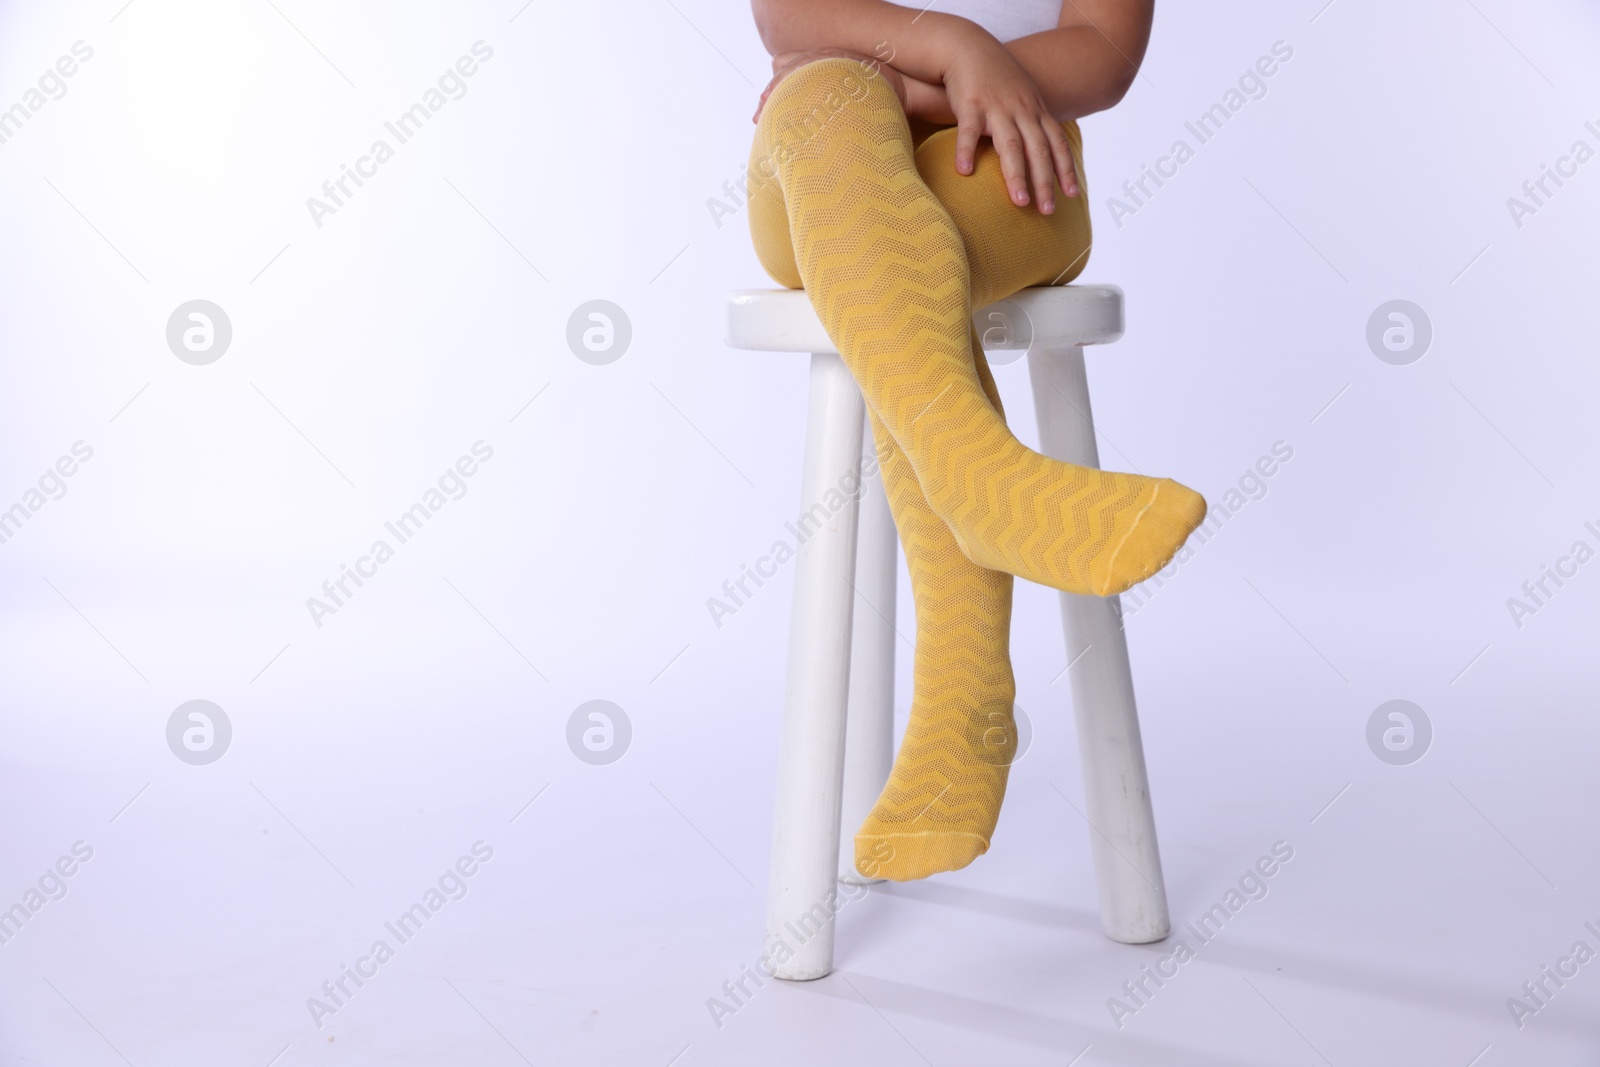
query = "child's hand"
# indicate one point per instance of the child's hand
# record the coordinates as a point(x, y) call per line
point(785, 62)
point(991, 95)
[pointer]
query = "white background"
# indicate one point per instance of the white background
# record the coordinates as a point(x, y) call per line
point(430, 312)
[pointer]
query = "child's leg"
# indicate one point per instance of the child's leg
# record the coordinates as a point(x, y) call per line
point(942, 801)
point(939, 807)
point(887, 269)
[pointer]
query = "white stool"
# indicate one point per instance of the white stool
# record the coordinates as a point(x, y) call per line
point(839, 705)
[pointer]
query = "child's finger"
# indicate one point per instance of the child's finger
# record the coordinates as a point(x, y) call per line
point(1066, 171)
point(1008, 143)
point(969, 127)
point(1041, 165)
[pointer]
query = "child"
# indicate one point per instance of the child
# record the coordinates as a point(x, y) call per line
point(894, 155)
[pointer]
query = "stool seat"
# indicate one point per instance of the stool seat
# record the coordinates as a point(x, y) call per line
point(783, 320)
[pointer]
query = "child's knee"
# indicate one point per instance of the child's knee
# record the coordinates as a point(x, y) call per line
point(821, 88)
point(936, 163)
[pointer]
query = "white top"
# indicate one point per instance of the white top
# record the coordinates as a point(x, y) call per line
point(1006, 19)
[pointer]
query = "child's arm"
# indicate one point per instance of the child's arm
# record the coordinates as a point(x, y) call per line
point(957, 72)
point(1086, 64)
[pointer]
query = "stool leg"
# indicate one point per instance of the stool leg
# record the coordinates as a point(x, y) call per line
point(869, 723)
point(802, 894)
point(1133, 897)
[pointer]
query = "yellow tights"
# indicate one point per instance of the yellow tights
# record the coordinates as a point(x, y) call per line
point(896, 250)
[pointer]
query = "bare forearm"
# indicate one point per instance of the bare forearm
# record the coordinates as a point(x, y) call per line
point(1078, 69)
point(918, 43)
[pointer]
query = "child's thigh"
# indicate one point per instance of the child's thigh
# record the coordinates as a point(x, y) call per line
point(1008, 247)
point(769, 222)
